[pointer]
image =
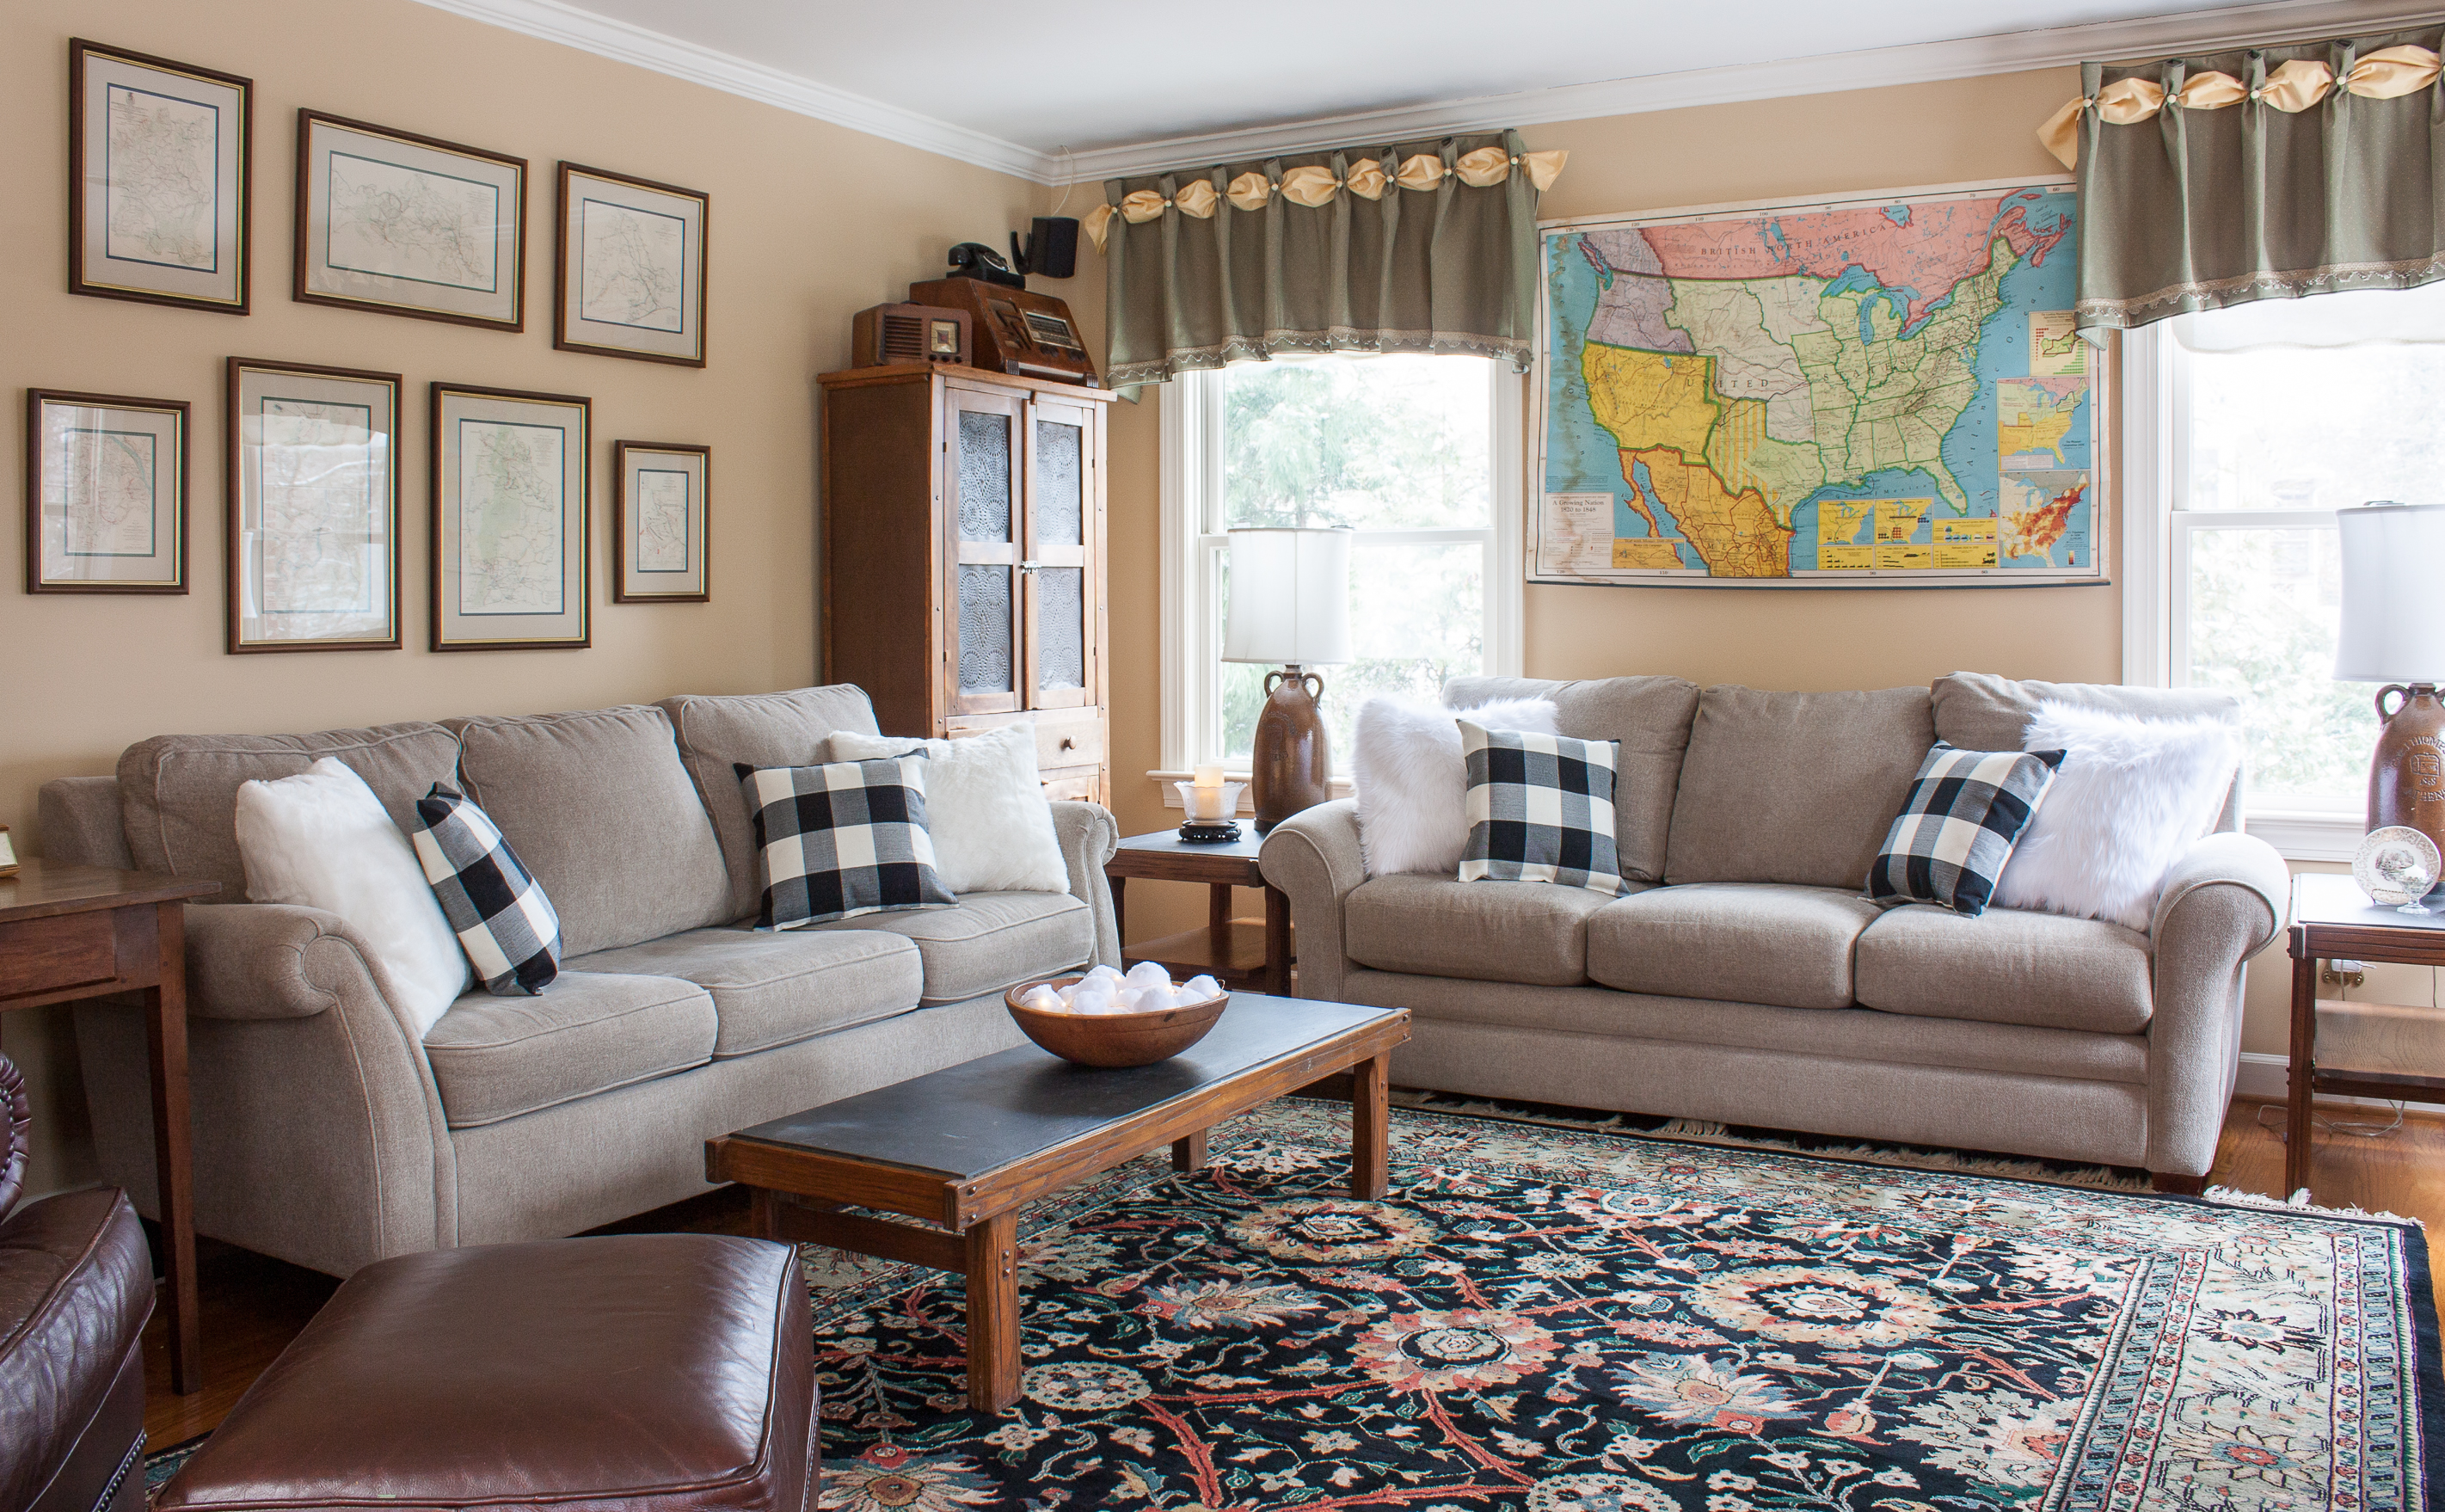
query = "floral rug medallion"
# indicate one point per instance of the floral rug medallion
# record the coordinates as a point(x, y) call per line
point(1562, 1321)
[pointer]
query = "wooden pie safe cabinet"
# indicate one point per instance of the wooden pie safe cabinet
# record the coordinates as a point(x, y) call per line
point(963, 558)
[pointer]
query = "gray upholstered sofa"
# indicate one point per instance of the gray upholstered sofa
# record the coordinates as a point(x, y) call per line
point(1745, 978)
point(327, 1134)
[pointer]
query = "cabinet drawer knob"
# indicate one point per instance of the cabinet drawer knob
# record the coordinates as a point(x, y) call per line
point(1069, 744)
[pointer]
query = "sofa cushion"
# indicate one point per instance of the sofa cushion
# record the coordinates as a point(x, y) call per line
point(2006, 967)
point(598, 808)
point(1786, 946)
point(775, 989)
point(989, 942)
point(1979, 711)
point(1796, 788)
point(1648, 719)
point(1487, 932)
point(497, 1058)
point(177, 793)
point(761, 730)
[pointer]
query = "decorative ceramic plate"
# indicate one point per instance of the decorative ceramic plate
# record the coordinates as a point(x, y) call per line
point(2395, 864)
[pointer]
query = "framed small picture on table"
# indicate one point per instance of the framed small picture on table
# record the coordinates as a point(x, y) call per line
point(105, 493)
point(313, 508)
point(510, 475)
point(660, 511)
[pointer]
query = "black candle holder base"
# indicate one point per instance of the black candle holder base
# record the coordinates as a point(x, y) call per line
point(1201, 832)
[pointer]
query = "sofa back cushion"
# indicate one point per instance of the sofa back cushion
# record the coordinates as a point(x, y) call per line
point(598, 808)
point(1648, 717)
point(1795, 788)
point(1979, 711)
point(760, 730)
point(177, 793)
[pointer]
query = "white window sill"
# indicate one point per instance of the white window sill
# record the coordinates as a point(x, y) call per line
point(1337, 786)
point(2308, 834)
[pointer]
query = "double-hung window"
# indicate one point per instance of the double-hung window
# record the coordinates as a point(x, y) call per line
point(2255, 424)
point(1417, 456)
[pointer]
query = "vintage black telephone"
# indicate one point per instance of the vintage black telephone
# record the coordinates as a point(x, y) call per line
point(974, 259)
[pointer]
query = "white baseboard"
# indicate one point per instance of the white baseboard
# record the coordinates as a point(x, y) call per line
point(2269, 1078)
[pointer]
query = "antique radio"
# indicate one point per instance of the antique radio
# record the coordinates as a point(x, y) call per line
point(910, 333)
point(1017, 332)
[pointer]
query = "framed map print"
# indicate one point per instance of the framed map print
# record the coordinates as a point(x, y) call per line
point(409, 225)
point(509, 518)
point(658, 498)
point(313, 508)
point(1877, 390)
point(630, 276)
point(159, 190)
point(105, 493)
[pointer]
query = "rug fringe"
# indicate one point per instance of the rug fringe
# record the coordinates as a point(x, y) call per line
point(2234, 1197)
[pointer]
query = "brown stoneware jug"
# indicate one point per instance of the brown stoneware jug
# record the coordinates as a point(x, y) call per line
point(2407, 774)
point(1287, 769)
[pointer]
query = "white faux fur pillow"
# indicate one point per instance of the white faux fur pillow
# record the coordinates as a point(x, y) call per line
point(985, 809)
point(1412, 782)
point(2130, 797)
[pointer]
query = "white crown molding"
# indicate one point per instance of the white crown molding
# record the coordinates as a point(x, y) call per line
point(2270, 22)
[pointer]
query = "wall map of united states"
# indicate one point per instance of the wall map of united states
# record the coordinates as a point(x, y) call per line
point(1879, 391)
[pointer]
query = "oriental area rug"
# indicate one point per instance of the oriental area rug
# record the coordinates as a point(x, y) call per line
point(1573, 1320)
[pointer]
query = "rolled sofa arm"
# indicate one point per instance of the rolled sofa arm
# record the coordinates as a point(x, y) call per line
point(1089, 836)
point(2225, 901)
point(1313, 857)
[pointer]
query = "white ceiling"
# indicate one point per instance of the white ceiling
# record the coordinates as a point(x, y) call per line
point(1119, 80)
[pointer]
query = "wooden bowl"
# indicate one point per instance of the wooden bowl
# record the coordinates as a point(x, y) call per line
point(1115, 1039)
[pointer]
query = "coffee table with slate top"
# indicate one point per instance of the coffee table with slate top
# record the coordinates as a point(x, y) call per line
point(962, 1149)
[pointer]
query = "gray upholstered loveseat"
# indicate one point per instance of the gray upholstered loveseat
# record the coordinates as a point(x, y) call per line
point(1745, 978)
point(327, 1134)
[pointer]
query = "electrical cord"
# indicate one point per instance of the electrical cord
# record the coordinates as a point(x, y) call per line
point(2353, 1127)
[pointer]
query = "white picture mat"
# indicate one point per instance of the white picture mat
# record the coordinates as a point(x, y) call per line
point(511, 520)
point(166, 191)
point(110, 478)
point(633, 269)
point(663, 522)
point(317, 473)
point(398, 223)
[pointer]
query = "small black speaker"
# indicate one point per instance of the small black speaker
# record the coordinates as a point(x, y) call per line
point(1052, 247)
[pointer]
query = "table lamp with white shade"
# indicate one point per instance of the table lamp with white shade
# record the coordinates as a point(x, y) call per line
point(2394, 633)
point(1290, 607)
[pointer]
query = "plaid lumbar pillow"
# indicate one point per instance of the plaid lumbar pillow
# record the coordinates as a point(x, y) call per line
point(1954, 833)
point(841, 839)
point(503, 920)
point(1539, 809)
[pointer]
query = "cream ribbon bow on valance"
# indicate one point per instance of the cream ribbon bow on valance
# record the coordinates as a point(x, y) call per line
point(2292, 87)
point(1315, 185)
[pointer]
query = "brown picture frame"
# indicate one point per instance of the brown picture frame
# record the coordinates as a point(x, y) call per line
point(235, 453)
point(79, 49)
point(577, 555)
point(35, 399)
point(307, 268)
point(700, 511)
point(568, 286)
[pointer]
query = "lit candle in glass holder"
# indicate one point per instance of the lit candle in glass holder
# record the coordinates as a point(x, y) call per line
point(1208, 799)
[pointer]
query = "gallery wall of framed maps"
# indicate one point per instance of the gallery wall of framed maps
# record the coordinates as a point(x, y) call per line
point(1860, 391)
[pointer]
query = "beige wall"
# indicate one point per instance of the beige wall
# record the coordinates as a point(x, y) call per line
point(809, 223)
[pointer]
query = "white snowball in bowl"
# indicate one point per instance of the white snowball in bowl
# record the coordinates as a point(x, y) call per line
point(1103, 973)
point(1201, 988)
point(1041, 998)
point(1148, 974)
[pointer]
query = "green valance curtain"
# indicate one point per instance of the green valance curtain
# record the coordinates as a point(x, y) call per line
point(1419, 246)
point(2266, 173)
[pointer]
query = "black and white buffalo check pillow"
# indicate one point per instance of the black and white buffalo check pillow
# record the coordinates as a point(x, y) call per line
point(841, 839)
point(504, 923)
point(1539, 809)
point(1965, 811)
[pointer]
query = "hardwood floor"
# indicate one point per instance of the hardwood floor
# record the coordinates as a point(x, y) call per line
point(254, 1306)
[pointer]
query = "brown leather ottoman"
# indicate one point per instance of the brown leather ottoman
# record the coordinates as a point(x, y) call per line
point(633, 1372)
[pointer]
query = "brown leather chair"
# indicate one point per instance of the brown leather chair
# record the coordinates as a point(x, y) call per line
point(76, 1285)
point(636, 1373)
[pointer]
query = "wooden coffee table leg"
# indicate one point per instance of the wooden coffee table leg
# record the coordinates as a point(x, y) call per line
point(1190, 1154)
point(1371, 1113)
point(993, 1313)
point(173, 1148)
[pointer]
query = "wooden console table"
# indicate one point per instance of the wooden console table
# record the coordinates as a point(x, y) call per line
point(2374, 1051)
point(71, 932)
point(1241, 954)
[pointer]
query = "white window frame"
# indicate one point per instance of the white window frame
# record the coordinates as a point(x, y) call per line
point(1192, 540)
point(2156, 543)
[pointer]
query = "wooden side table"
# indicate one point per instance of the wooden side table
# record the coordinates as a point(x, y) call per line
point(1239, 953)
point(2368, 1054)
point(71, 932)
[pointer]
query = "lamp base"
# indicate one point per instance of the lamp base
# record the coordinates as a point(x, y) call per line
point(2407, 773)
point(1289, 762)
